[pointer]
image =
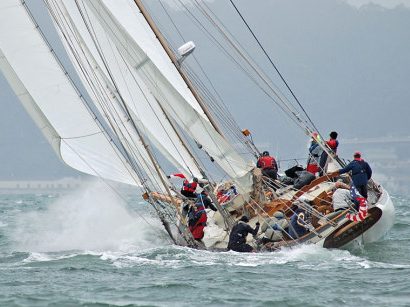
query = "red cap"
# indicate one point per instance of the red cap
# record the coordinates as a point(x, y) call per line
point(357, 154)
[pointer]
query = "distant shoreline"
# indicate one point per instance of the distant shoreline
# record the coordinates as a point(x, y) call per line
point(48, 186)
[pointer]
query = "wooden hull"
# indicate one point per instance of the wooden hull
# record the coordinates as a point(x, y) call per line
point(339, 233)
point(378, 222)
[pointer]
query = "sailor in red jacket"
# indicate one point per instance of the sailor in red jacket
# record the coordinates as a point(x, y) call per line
point(188, 188)
point(197, 220)
point(333, 143)
point(268, 165)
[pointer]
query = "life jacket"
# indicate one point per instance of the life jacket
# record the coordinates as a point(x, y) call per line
point(312, 168)
point(333, 144)
point(267, 162)
point(189, 187)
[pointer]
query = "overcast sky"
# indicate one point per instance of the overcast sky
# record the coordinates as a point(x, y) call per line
point(347, 61)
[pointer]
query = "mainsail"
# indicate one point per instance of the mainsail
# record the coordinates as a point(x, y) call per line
point(143, 107)
point(39, 80)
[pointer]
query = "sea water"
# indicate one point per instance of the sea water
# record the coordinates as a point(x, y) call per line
point(95, 247)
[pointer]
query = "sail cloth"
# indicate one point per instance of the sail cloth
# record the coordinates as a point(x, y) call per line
point(137, 43)
point(107, 100)
point(144, 108)
point(40, 82)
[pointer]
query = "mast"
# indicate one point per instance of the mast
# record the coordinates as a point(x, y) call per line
point(171, 55)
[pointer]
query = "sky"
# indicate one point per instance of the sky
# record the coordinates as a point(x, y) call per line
point(347, 61)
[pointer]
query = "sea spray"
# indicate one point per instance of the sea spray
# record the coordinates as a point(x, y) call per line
point(93, 218)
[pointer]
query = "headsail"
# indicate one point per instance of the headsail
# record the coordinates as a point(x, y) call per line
point(136, 42)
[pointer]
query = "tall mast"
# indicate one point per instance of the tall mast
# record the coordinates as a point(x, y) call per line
point(174, 60)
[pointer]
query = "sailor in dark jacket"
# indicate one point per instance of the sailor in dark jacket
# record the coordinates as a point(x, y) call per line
point(361, 173)
point(239, 232)
point(204, 199)
point(299, 223)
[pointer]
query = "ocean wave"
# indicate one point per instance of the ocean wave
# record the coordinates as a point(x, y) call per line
point(308, 257)
point(45, 257)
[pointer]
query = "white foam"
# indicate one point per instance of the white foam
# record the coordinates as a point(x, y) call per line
point(43, 257)
point(93, 218)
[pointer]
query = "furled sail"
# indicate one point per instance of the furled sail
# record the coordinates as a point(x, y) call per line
point(144, 108)
point(136, 42)
point(41, 83)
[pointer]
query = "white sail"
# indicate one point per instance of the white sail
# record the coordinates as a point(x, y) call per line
point(40, 82)
point(146, 112)
point(107, 100)
point(136, 42)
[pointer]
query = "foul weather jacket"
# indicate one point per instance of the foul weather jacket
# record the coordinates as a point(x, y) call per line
point(361, 172)
point(197, 222)
point(239, 233)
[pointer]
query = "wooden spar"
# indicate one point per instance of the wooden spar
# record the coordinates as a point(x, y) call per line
point(174, 60)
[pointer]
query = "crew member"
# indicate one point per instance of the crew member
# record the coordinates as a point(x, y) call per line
point(315, 151)
point(361, 173)
point(342, 199)
point(239, 232)
point(268, 165)
point(197, 220)
point(188, 188)
point(204, 199)
point(299, 223)
point(332, 143)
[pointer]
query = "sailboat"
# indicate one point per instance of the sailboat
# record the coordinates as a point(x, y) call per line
point(132, 108)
